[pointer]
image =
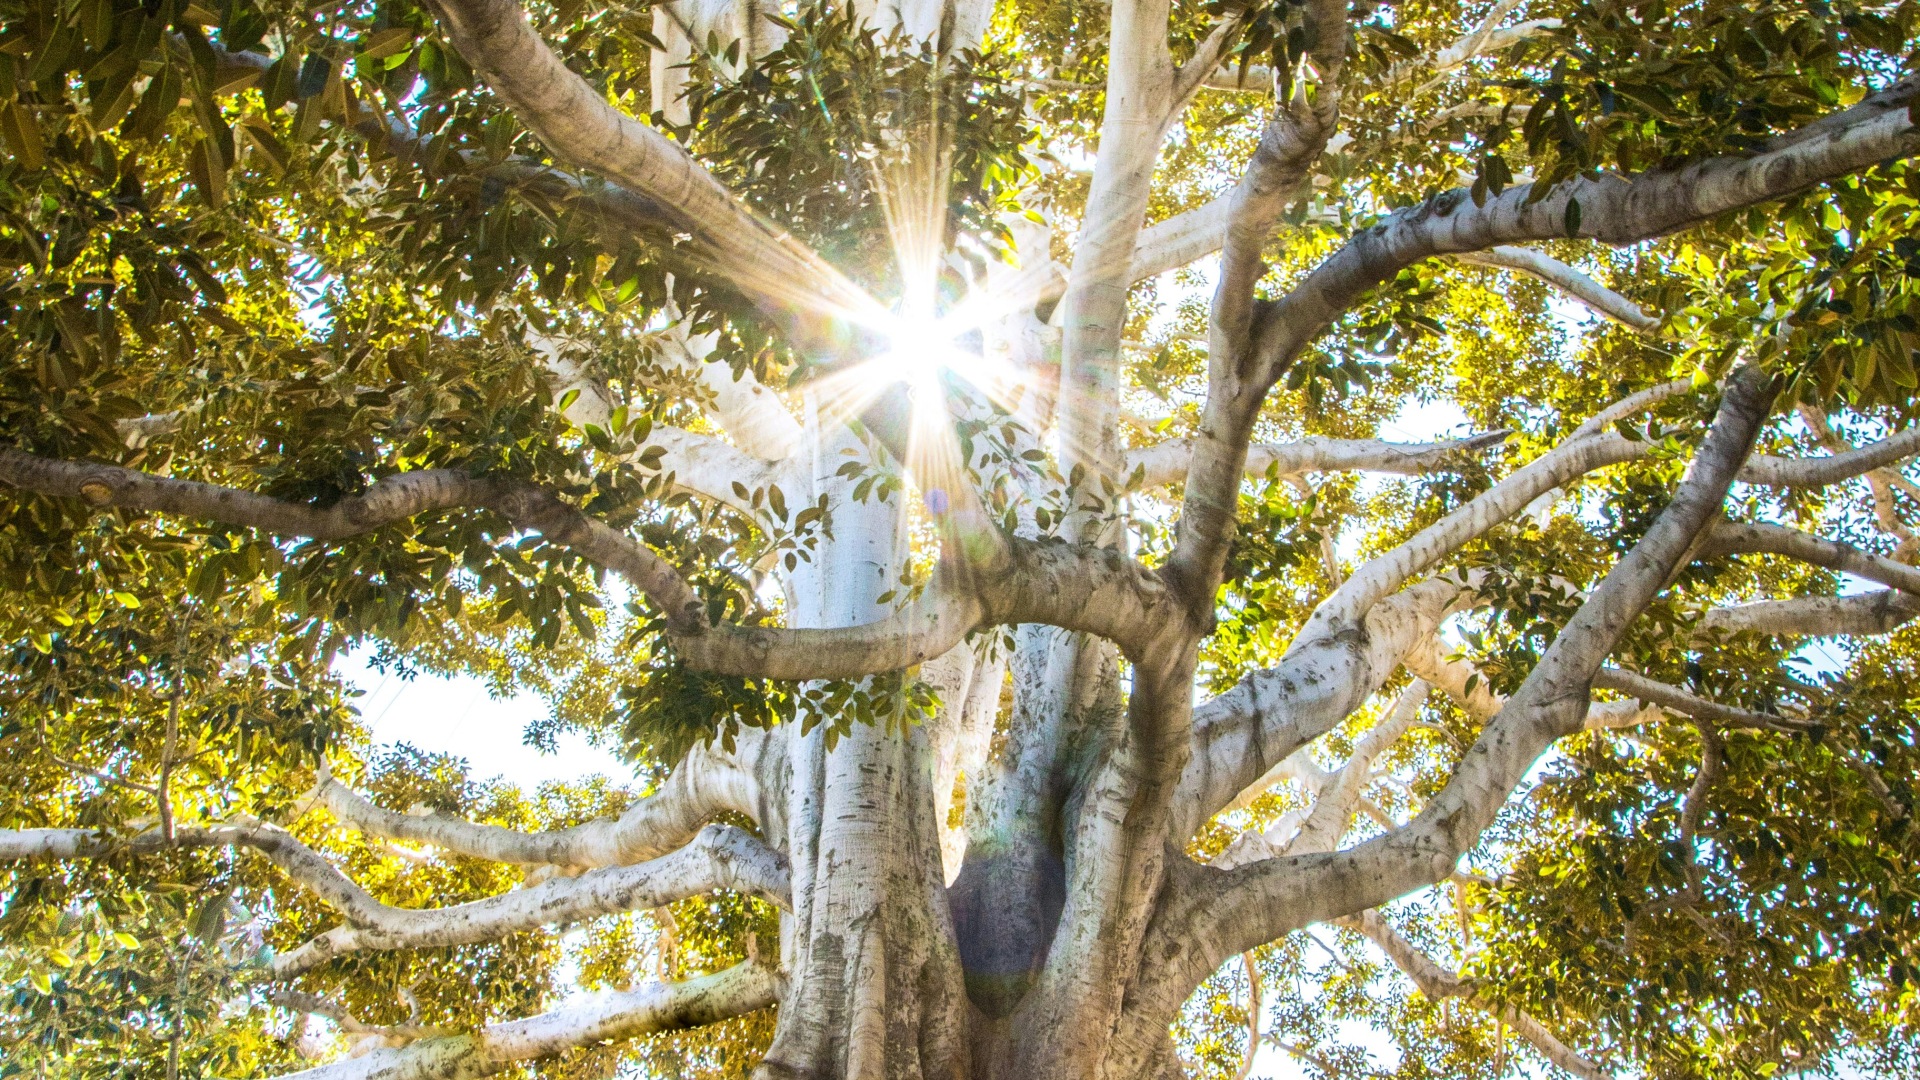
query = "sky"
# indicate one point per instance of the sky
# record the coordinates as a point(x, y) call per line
point(458, 716)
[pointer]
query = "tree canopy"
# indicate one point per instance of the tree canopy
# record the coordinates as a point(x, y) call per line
point(1002, 404)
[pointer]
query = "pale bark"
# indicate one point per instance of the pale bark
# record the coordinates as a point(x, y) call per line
point(1166, 463)
point(1241, 735)
point(1484, 39)
point(1597, 297)
point(1822, 471)
point(1337, 795)
point(1879, 612)
point(708, 781)
point(720, 857)
point(1729, 538)
point(1500, 503)
point(1139, 88)
point(1677, 700)
point(1471, 690)
point(1080, 588)
point(739, 990)
point(868, 938)
point(1217, 915)
point(580, 126)
point(1613, 209)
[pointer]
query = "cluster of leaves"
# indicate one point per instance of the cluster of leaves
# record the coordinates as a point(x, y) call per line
point(845, 137)
point(1807, 902)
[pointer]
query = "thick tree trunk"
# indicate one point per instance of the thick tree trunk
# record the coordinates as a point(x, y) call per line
point(869, 946)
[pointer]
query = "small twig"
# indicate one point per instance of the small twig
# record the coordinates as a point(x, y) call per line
point(179, 1017)
point(1253, 1016)
point(166, 760)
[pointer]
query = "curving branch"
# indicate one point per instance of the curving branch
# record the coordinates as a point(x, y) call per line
point(1822, 471)
point(1166, 463)
point(1729, 538)
point(920, 632)
point(1470, 690)
point(1337, 794)
point(1479, 41)
point(1500, 503)
point(315, 1005)
point(1597, 297)
point(1168, 244)
point(1438, 984)
point(580, 126)
point(390, 500)
point(1610, 208)
point(741, 989)
point(720, 857)
point(1241, 736)
point(707, 782)
point(1677, 700)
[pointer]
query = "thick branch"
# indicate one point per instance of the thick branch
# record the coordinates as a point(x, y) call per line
point(1821, 471)
point(1500, 503)
point(720, 857)
point(1678, 700)
point(1729, 538)
point(1879, 612)
point(1242, 734)
point(1166, 462)
point(579, 125)
point(1612, 209)
point(739, 990)
point(917, 633)
point(1254, 903)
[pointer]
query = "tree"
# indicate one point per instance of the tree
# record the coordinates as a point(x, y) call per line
point(1018, 656)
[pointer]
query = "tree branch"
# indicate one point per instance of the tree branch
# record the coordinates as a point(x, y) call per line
point(579, 125)
point(1438, 984)
point(1597, 297)
point(1879, 612)
point(1251, 905)
point(741, 989)
point(1479, 41)
point(720, 857)
point(1613, 209)
point(707, 782)
point(1679, 701)
point(1729, 538)
point(1822, 471)
point(1166, 462)
point(315, 1005)
point(1242, 734)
